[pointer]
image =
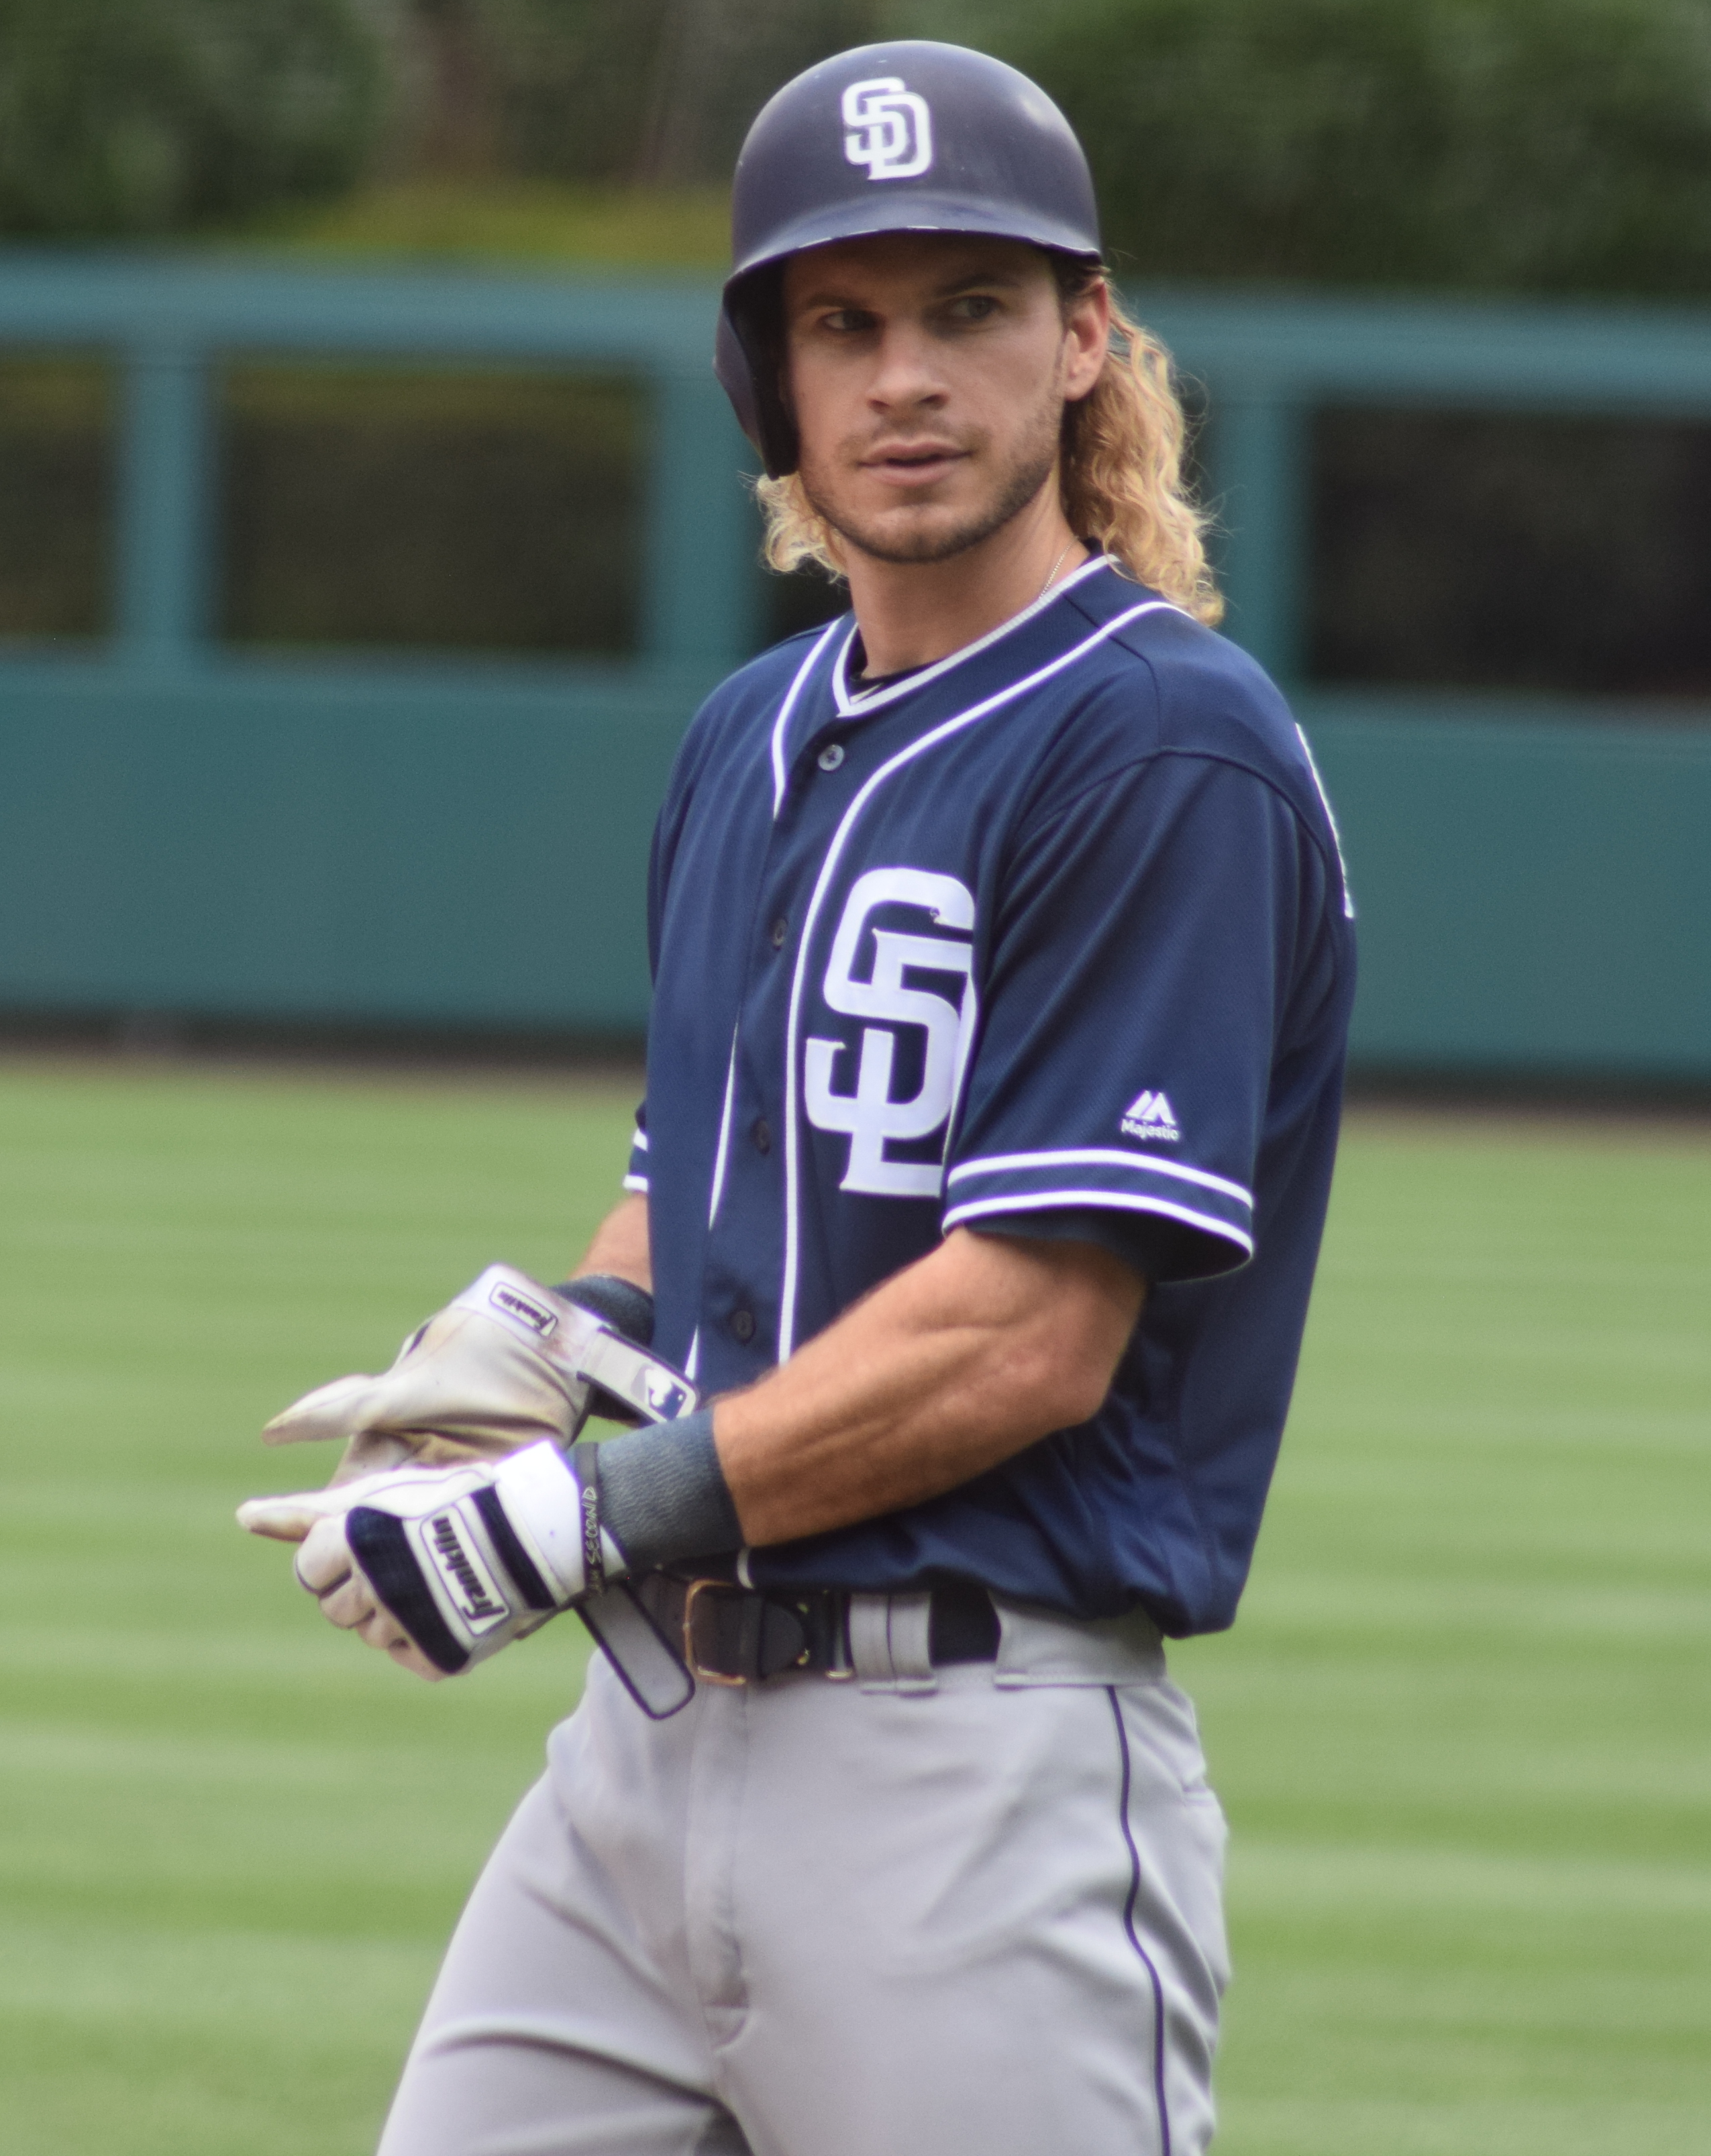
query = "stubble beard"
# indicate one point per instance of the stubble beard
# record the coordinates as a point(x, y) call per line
point(1032, 465)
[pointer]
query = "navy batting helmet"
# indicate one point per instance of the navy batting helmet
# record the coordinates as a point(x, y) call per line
point(911, 136)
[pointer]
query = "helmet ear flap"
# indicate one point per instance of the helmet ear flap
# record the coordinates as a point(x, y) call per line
point(747, 359)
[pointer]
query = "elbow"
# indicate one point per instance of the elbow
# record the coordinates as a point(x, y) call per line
point(1083, 1389)
point(1070, 1379)
point(1081, 1346)
point(1056, 1318)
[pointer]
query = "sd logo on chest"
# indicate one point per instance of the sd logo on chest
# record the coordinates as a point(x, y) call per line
point(873, 973)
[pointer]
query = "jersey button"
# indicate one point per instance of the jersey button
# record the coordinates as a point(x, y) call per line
point(761, 1135)
point(781, 929)
point(743, 1325)
point(831, 756)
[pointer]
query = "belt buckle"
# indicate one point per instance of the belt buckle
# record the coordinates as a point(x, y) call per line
point(698, 1669)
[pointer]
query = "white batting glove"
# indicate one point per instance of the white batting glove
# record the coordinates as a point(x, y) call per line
point(442, 1566)
point(506, 1363)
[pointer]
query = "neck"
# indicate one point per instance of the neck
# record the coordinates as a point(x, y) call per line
point(910, 613)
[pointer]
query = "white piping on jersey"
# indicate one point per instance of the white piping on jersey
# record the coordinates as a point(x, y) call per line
point(1330, 817)
point(723, 1152)
point(787, 1300)
point(864, 700)
point(1038, 1200)
point(781, 724)
point(1100, 1157)
point(638, 1140)
point(637, 1182)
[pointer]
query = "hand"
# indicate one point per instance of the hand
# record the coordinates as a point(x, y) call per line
point(504, 1365)
point(441, 1567)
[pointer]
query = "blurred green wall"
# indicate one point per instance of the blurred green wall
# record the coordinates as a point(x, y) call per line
point(1534, 897)
point(296, 829)
point(466, 848)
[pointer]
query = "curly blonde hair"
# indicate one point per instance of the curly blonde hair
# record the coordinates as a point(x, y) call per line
point(1120, 471)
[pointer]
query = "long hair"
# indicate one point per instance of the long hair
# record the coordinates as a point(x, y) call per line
point(1120, 470)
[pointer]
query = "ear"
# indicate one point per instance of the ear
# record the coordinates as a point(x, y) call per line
point(1086, 332)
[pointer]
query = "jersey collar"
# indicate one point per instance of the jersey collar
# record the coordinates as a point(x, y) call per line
point(857, 704)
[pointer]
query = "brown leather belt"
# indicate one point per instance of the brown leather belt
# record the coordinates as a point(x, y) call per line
point(735, 1635)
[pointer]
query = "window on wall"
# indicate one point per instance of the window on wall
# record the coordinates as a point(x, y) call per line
point(56, 497)
point(474, 510)
point(1506, 552)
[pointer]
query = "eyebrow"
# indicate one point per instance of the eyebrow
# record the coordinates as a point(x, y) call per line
point(829, 296)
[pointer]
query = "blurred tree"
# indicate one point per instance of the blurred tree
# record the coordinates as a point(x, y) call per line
point(1526, 145)
point(441, 49)
point(658, 91)
point(153, 115)
point(717, 63)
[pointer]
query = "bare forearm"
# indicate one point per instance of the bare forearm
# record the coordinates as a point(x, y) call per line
point(620, 1243)
point(953, 1365)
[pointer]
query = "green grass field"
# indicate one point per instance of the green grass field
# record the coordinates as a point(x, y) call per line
point(1462, 1728)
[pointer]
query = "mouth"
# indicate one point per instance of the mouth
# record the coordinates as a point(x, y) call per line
point(912, 463)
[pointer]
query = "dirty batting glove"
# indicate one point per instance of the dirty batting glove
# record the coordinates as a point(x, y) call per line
point(506, 1363)
point(440, 1567)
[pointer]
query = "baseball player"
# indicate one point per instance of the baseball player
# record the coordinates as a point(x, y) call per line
point(1002, 962)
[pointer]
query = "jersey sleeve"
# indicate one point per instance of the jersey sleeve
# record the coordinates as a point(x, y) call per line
point(1155, 934)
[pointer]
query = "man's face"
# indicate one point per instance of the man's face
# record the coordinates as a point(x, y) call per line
point(928, 372)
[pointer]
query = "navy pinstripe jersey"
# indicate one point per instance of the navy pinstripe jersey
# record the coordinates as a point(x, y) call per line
point(1052, 936)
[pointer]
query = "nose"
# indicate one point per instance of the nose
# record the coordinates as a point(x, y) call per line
point(905, 375)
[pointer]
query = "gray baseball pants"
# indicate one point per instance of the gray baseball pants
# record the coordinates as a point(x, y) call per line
point(969, 1912)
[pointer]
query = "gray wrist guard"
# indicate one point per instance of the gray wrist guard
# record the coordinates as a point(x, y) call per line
point(662, 1493)
point(620, 1303)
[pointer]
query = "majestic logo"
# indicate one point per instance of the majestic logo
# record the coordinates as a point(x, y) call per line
point(869, 1115)
point(474, 1596)
point(1149, 1116)
point(539, 1321)
point(890, 129)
